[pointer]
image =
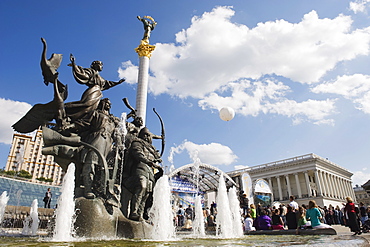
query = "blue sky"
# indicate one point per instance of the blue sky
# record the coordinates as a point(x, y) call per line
point(297, 73)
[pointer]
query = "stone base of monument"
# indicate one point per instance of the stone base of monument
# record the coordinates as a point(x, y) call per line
point(94, 220)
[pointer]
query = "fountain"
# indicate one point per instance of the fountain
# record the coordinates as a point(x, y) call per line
point(4, 198)
point(198, 224)
point(161, 211)
point(237, 225)
point(65, 211)
point(224, 220)
point(31, 223)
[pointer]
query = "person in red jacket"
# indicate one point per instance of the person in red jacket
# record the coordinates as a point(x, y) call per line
point(352, 218)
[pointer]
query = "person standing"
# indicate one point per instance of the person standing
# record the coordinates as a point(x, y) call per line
point(352, 220)
point(291, 218)
point(293, 203)
point(189, 212)
point(180, 216)
point(363, 213)
point(47, 198)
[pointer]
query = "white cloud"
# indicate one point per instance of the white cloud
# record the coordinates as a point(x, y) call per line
point(212, 154)
point(268, 96)
point(359, 6)
point(360, 177)
point(215, 54)
point(11, 111)
point(129, 72)
point(353, 87)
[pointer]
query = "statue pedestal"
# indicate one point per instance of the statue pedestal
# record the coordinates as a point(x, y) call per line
point(94, 221)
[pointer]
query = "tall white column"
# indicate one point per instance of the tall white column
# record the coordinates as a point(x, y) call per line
point(333, 186)
point(323, 179)
point(309, 192)
point(329, 185)
point(318, 183)
point(144, 50)
point(343, 188)
point(279, 188)
point(272, 194)
point(142, 87)
point(298, 185)
point(288, 185)
point(337, 188)
point(346, 184)
point(340, 186)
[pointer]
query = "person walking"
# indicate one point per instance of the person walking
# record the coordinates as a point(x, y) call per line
point(352, 220)
point(47, 198)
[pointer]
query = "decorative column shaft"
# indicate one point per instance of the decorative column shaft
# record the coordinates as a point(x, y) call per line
point(144, 51)
point(288, 185)
point(272, 194)
point(309, 192)
point(298, 185)
point(318, 183)
point(279, 188)
point(326, 184)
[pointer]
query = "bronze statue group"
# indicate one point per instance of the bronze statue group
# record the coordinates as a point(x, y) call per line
point(114, 158)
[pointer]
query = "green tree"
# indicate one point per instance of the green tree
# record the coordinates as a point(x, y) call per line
point(24, 174)
point(10, 173)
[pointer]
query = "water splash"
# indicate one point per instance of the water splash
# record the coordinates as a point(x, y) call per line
point(237, 225)
point(31, 223)
point(223, 221)
point(35, 217)
point(4, 198)
point(65, 212)
point(161, 211)
point(198, 225)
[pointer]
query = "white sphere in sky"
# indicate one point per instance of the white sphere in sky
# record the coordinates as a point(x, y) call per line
point(227, 113)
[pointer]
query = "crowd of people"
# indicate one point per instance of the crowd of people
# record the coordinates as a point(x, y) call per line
point(184, 217)
point(281, 217)
point(293, 216)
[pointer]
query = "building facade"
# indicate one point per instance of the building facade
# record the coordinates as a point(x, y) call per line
point(307, 177)
point(25, 154)
point(362, 195)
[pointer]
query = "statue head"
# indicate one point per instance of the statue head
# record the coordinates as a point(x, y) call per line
point(138, 121)
point(104, 104)
point(145, 135)
point(97, 65)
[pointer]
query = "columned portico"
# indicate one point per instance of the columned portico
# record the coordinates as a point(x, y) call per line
point(315, 178)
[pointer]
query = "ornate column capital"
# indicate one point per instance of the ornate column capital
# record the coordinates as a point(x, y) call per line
point(144, 49)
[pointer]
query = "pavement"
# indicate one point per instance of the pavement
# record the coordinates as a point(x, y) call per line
point(345, 231)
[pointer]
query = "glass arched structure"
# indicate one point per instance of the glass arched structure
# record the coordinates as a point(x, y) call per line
point(209, 176)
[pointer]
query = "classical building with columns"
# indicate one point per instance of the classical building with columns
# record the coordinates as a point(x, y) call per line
point(307, 177)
